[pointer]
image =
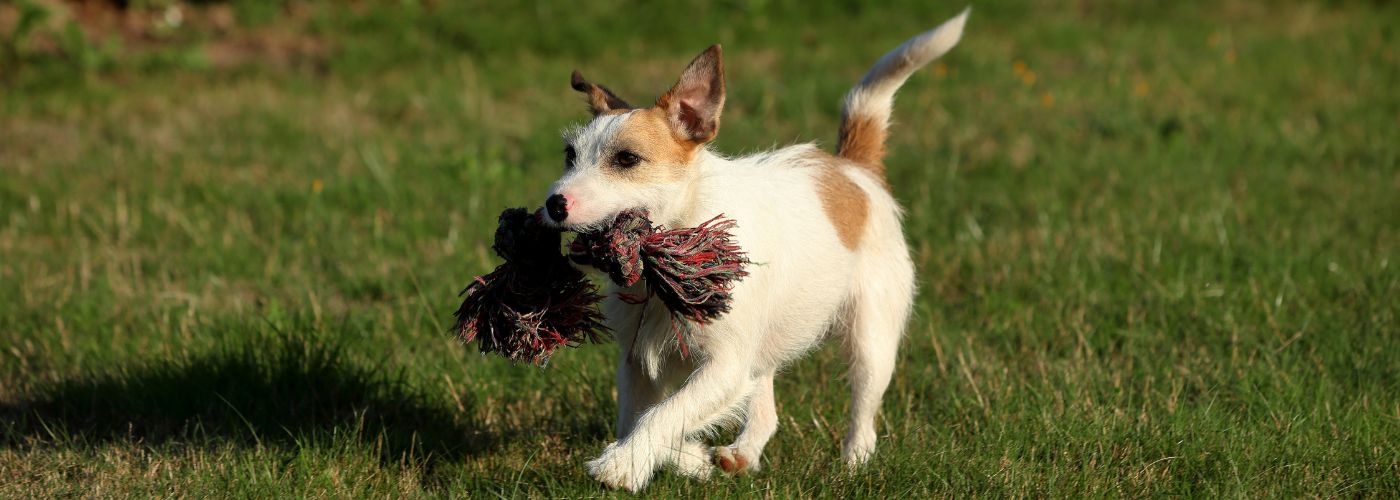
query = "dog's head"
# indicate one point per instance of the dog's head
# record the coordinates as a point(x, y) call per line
point(629, 157)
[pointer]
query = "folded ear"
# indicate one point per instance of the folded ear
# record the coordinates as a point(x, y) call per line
point(693, 105)
point(600, 99)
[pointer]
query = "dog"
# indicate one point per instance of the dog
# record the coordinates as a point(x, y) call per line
point(824, 235)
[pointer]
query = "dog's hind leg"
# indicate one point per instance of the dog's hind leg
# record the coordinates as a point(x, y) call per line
point(760, 422)
point(880, 309)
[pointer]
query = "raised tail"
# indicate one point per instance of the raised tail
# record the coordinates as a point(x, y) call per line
point(866, 115)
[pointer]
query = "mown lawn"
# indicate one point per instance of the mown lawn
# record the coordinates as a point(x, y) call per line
point(1158, 246)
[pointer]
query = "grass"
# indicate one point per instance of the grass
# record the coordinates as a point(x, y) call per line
point(1157, 247)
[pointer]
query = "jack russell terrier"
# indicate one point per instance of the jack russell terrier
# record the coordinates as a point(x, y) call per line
point(823, 232)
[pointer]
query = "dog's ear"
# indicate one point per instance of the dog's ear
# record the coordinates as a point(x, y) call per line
point(600, 99)
point(693, 105)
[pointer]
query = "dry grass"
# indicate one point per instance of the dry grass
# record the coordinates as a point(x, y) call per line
point(1154, 242)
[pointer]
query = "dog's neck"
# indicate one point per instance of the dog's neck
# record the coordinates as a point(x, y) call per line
point(684, 212)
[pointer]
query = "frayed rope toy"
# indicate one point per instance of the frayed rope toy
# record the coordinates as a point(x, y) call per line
point(535, 301)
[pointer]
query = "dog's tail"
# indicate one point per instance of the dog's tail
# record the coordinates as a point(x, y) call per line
point(866, 115)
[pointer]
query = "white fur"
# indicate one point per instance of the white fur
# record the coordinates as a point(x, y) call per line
point(803, 283)
point(874, 96)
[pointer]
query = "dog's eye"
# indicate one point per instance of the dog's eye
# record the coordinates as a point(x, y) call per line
point(570, 156)
point(626, 159)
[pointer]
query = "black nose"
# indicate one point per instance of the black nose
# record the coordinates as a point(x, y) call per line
point(558, 208)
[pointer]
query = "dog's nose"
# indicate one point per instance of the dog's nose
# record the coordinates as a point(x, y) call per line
point(558, 207)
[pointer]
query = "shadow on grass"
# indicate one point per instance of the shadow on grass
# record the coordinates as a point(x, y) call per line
point(283, 392)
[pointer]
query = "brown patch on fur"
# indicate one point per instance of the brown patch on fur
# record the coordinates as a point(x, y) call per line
point(846, 204)
point(862, 140)
point(648, 134)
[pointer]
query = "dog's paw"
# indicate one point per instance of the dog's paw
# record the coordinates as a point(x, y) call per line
point(693, 461)
point(858, 449)
point(734, 462)
point(623, 467)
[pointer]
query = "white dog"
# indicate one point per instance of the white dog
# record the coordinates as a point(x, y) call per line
point(824, 235)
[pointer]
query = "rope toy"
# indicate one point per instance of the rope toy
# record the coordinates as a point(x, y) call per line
point(535, 301)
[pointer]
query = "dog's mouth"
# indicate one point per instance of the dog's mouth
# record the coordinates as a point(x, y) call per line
point(577, 250)
point(589, 237)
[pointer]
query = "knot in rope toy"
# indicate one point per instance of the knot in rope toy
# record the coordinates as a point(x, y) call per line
point(535, 301)
point(690, 269)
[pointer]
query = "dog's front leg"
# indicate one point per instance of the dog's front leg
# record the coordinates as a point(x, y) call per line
point(659, 435)
point(635, 393)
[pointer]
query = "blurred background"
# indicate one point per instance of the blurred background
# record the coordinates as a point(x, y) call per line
point(1157, 243)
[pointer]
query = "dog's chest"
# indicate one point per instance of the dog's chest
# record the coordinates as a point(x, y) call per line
point(648, 334)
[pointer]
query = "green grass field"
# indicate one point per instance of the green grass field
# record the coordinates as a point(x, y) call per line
point(1158, 247)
